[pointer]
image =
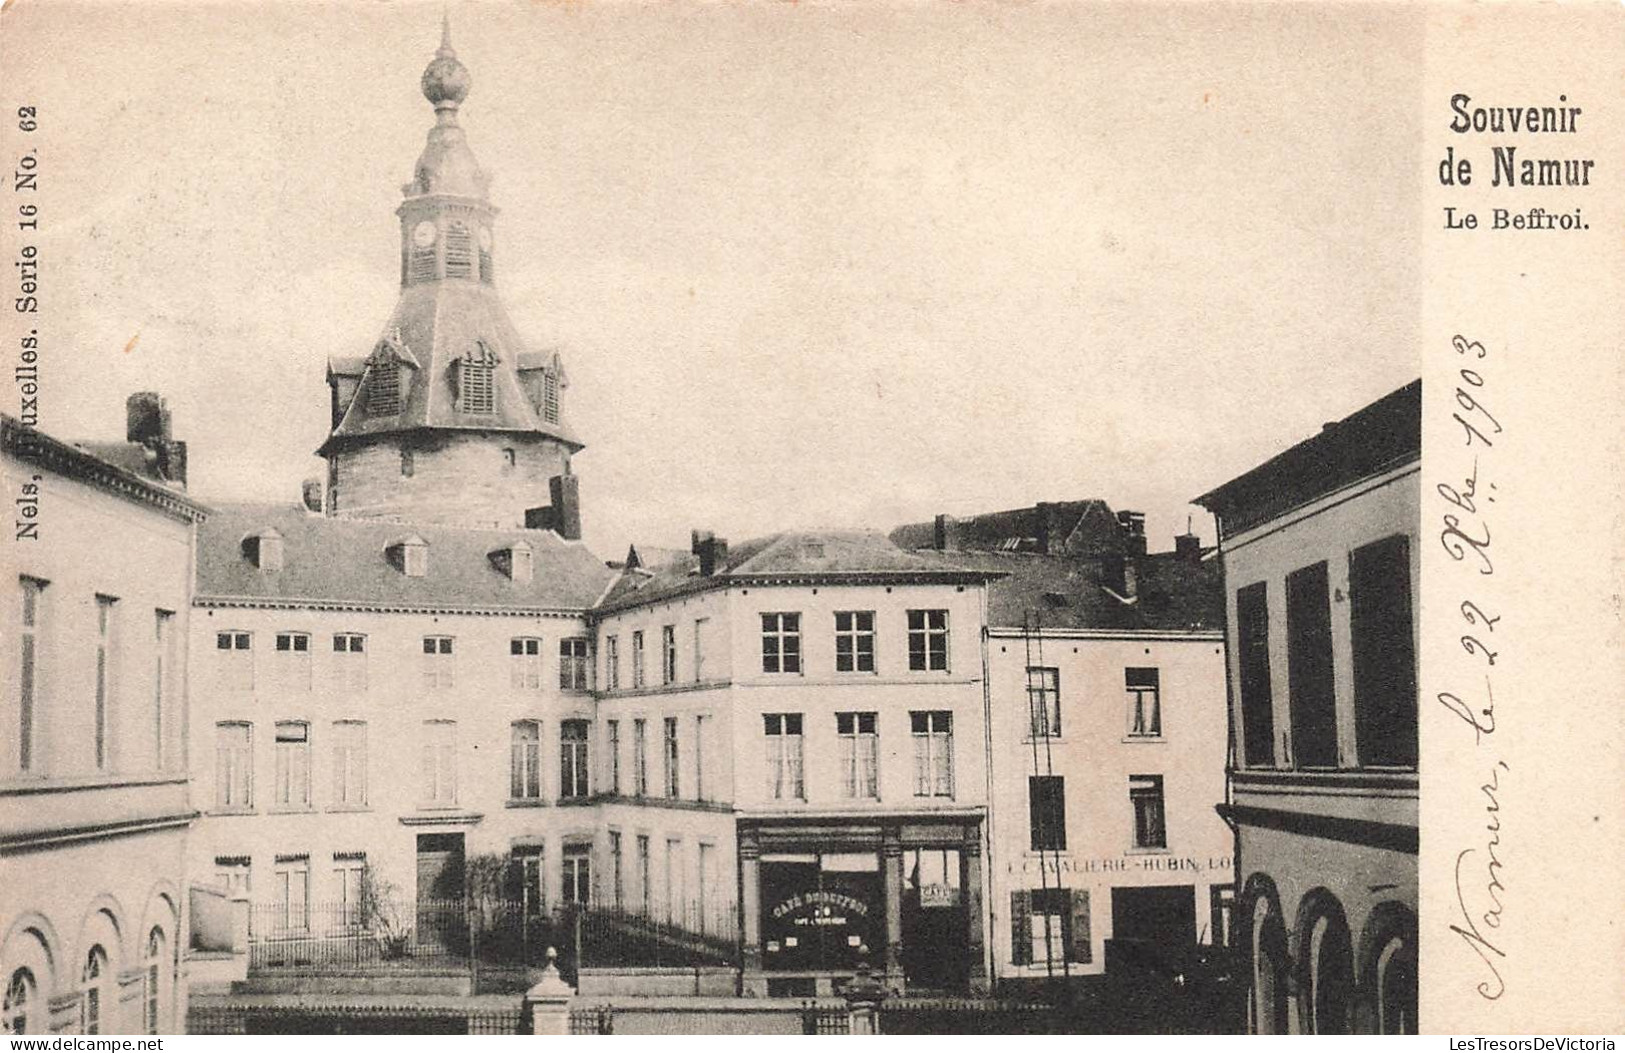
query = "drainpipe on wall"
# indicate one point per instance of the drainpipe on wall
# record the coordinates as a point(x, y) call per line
point(988, 953)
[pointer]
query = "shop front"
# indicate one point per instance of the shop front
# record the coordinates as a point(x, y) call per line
point(822, 898)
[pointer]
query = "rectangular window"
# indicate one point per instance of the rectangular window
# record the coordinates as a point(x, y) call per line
point(292, 765)
point(350, 662)
point(439, 664)
point(617, 888)
point(637, 660)
point(613, 746)
point(439, 763)
point(928, 641)
point(781, 643)
point(674, 881)
point(575, 670)
point(701, 627)
point(1049, 926)
point(348, 871)
point(1046, 808)
point(233, 767)
point(1253, 671)
point(1144, 687)
point(104, 681)
point(1043, 702)
point(291, 662)
point(612, 663)
point(670, 753)
point(577, 875)
point(933, 753)
point(1311, 696)
point(525, 663)
point(860, 754)
point(699, 757)
point(163, 665)
point(783, 731)
point(854, 641)
point(707, 888)
point(291, 888)
point(668, 654)
point(644, 874)
point(1145, 794)
point(28, 662)
point(349, 764)
point(525, 761)
point(573, 767)
point(234, 649)
point(1384, 653)
point(530, 865)
point(640, 757)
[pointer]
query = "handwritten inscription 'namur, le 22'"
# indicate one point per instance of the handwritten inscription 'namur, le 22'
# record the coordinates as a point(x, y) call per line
point(1464, 531)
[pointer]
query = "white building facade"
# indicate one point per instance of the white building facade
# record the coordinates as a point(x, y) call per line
point(94, 807)
point(1321, 563)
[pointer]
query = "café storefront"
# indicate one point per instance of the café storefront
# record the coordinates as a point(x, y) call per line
point(820, 896)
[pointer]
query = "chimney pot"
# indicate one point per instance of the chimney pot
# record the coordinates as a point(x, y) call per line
point(939, 534)
point(146, 419)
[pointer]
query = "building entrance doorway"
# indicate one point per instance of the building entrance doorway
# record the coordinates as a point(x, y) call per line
point(936, 921)
point(819, 909)
point(1161, 916)
point(440, 890)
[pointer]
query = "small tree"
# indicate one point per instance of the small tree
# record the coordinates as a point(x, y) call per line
point(383, 915)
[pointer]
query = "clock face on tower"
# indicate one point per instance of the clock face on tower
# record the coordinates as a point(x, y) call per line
point(485, 239)
point(423, 234)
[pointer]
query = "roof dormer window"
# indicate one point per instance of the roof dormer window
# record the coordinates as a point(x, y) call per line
point(475, 390)
point(410, 556)
point(264, 550)
point(550, 397)
point(516, 561)
point(384, 388)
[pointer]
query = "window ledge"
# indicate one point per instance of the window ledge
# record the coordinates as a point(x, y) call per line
point(343, 808)
point(526, 802)
point(1053, 740)
point(291, 809)
point(232, 811)
point(1144, 738)
point(1139, 851)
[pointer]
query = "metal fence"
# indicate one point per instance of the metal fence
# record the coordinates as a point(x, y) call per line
point(354, 1020)
point(382, 936)
point(710, 1017)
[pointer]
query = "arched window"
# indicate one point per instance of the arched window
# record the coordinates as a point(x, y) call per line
point(1396, 988)
point(154, 994)
point(1331, 977)
point(1267, 1006)
point(94, 981)
point(19, 1003)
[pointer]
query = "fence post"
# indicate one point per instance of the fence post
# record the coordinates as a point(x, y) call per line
point(863, 994)
point(548, 1002)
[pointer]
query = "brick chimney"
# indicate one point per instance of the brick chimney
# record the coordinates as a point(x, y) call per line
point(147, 423)
point(1041, 527)
point(1188, 547)
point(565, 494)
point(939, 534)
point(310, 491)
point(712, 550)
point(1132, 526)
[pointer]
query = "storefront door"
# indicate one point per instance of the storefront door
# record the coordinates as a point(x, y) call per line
point(935, 920)
point(819, 909)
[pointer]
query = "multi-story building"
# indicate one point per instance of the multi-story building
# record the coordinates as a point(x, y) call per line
point(800, 718)
point(1320, 557)
point(386, 700)
point(94, 808)
point(1106, 725)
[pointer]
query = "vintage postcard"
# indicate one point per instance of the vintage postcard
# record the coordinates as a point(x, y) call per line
point(812, 518)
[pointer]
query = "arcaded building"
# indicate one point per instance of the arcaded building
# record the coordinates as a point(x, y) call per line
point(1321, 568)
point(94, 803)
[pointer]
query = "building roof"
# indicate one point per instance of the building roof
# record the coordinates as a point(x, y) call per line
point(1059, 591)
point(433, 325)
point(1086, 527)
point(125, 468)
point(344, 562)
point(1381, 436)
point(833, 556)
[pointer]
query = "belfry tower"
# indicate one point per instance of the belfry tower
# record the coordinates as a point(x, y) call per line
point(450, 418)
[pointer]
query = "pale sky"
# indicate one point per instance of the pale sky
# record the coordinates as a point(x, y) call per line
point(810, 265)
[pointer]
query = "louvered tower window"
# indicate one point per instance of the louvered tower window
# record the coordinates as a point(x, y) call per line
point(384, 388)
point(459, 250)
point(474, 380)
point(487, 266)
point(550, 397)
point(420, 263)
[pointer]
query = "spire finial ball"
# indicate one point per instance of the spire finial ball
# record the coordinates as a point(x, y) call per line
point(445, 80)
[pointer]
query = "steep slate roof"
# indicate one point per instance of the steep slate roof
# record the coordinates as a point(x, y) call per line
point(835, 556)
point(436, 323)
point(343, 561)
point(132, 457)
point(1087, 527)
point(1383, 435)
point(124, 468)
